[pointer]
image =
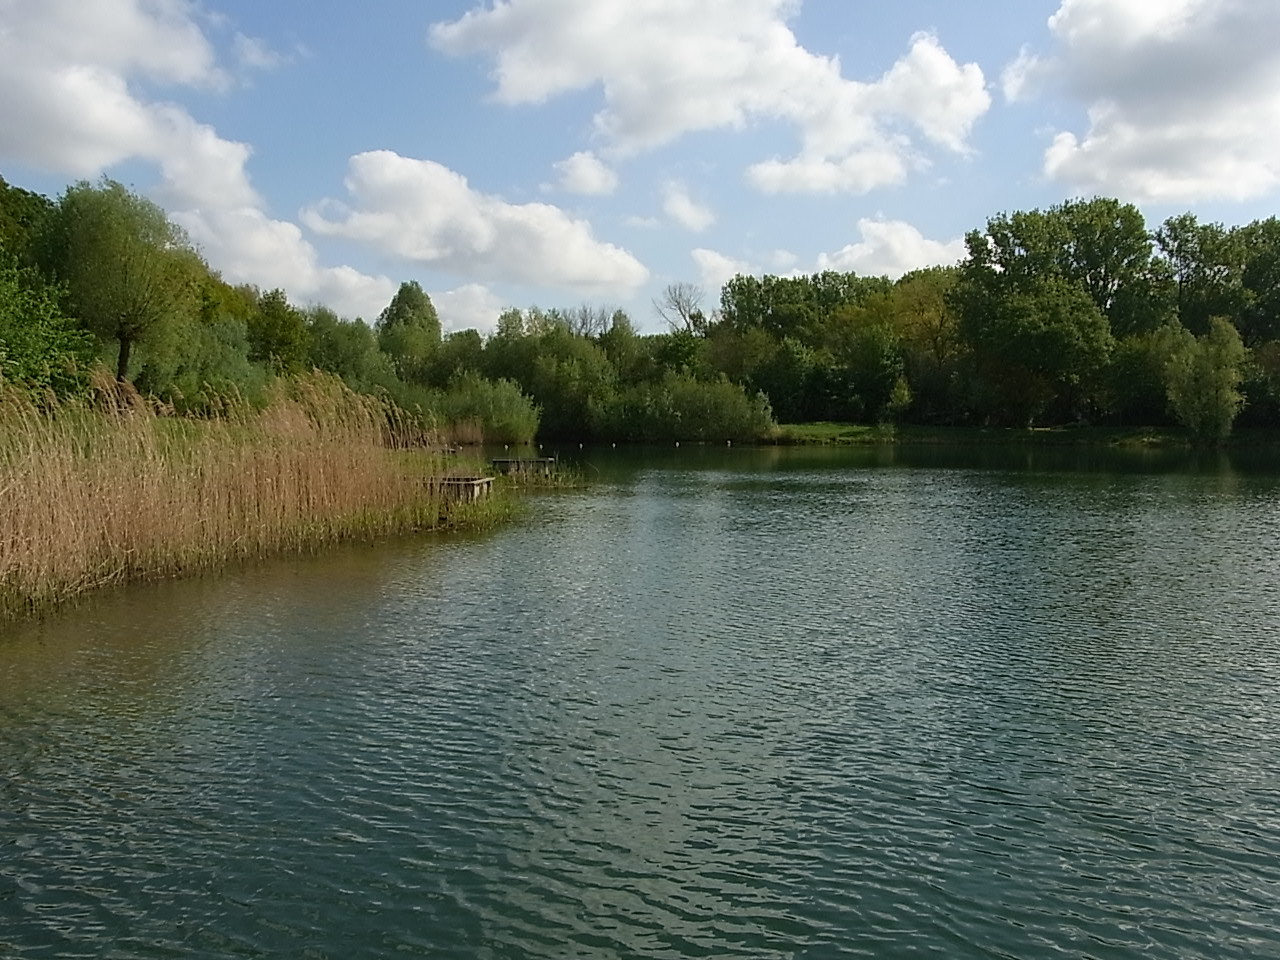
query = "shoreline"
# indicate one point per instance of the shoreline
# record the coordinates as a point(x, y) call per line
point(1135, 438)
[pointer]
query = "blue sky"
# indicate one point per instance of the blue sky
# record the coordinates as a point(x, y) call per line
point(561, 152)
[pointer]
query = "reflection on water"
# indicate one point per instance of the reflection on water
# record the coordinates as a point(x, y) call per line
point(759, 703)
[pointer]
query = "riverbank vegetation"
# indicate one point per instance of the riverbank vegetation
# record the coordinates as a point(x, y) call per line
point(109, 488)
point(1079, 315)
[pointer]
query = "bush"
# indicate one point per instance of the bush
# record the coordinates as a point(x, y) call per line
point(40, 349)
point(680, 407)
point(504, 414)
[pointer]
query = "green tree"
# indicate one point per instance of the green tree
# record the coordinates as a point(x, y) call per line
point(128, 272)
point(1101, 245)
point(40, 349)
point(1206, 264)
point(1203, 377)
point(278, 333)
point(22, 217)
point(1038, 346)
point(1261, 280)
point(460, 352)
point(932, 348)
point(1137, 394)
point(409, 331)
point(348, 348)
point(629, 352)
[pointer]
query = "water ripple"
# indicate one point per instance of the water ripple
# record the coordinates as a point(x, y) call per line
point(814, 712)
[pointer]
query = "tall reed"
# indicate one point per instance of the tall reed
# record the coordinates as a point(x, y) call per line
point(110, 490)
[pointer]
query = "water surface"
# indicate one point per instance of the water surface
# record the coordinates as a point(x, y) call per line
point(780, 703)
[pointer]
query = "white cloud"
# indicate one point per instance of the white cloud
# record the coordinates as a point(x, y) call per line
point(1017, 80)
point(253, 53)
point(935, 93)
point(716, 269)
point(858, 172)
point(782, 260)
point(425, 213)
point(472, 306)
point(887, 247)
point(892, 248)
point(250, 247)
point(669, 67)
point(586, 173)
point(68, 103)
point(683, 209)
point(65, 97)
point(1182, 97)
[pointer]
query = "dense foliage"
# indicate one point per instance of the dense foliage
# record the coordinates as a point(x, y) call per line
point(1075, 314)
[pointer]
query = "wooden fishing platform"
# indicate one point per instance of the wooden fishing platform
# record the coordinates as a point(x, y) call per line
point(543, 465)
point(465, 489)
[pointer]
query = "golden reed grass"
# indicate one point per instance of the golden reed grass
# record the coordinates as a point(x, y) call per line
point(110, 490)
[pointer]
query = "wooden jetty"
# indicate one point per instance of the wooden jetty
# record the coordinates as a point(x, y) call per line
point(526, 465)
point(465, 489)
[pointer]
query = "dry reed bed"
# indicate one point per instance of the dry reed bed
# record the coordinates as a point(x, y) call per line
point(98, 493)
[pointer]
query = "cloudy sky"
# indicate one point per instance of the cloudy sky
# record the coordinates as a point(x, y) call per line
point(561, 152)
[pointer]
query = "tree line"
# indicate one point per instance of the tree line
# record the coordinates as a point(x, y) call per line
point(1075, 314)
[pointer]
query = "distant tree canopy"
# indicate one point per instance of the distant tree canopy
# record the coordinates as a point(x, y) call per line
point(1079, 313)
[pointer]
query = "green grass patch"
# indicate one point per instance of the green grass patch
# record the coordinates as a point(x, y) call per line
point(851, 434)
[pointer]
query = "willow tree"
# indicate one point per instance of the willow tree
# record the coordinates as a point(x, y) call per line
point(127, 270)
point(1203, 377)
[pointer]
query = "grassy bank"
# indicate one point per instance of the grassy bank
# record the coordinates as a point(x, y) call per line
point(860, 434)
point(108, 491)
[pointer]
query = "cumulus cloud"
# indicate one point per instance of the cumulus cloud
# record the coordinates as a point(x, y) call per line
point(1182, 97)
point(587, 174)
point(886, 247)
point(425, 213)
point(858, 172)
point(668, 67)
point(716, 269)
point(683, 209)
point(250, 247)
point(892, 248)
point(69, 103)
point(472, 306)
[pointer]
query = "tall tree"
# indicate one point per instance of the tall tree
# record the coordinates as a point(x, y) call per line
point(1100, 244)
point(1206, 262)
point(127, 270)
point(1039, 343)
point(278, 333)
point(1261, 279)
point(409, 331)
point(1203, 378)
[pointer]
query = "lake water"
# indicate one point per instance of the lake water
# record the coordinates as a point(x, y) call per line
point(719, 703)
